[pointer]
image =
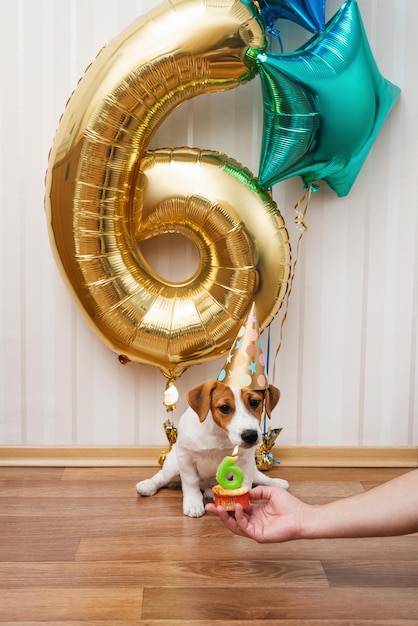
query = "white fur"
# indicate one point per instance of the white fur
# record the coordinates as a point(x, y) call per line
point(200, 447)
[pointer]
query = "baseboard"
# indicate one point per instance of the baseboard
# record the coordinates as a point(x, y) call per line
point(147, 456)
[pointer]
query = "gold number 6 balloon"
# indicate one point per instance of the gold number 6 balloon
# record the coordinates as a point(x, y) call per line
point(105, 193)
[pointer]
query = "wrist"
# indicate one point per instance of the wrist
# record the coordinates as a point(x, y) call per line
point(310, 526)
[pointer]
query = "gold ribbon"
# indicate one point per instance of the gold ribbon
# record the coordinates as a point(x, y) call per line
point(301, 209)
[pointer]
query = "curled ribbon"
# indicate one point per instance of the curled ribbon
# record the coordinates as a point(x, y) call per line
point(301, 225)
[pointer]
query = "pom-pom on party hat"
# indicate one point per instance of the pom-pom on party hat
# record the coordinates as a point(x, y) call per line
point(244, 366)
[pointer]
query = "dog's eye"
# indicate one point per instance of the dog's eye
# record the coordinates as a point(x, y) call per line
point(254, 403)
point(225, 409)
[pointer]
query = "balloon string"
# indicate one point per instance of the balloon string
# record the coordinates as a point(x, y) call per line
point(300, 224)
point(267, 374)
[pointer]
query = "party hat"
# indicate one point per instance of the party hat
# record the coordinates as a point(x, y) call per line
point(244, 366)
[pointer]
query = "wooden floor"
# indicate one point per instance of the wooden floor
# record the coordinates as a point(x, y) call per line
point(77, 546)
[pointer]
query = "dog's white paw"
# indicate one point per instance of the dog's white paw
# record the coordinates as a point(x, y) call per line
point(146, 487)
point(193, 508)
point(281, 483)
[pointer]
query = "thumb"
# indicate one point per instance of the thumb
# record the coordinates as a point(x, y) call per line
point(261, 492)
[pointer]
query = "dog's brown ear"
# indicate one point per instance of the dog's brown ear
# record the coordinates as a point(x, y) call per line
point(271, 398)
point(199, 398)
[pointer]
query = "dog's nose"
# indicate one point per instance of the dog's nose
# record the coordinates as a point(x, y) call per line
point(249, 436)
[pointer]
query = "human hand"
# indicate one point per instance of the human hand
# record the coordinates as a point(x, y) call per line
point(277, 520)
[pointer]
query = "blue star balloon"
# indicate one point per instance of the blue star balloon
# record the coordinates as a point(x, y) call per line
point(324, 105)
point(309, 14)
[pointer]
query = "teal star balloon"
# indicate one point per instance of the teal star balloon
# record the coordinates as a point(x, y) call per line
point(324, 105)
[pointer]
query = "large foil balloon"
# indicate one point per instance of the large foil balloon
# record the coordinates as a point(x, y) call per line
point(105, 193)
point(324, 105)
point(309, 14)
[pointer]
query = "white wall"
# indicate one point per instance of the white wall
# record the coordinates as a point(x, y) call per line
point(348, 364)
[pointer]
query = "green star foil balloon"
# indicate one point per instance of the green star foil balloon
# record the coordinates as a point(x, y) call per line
point(324, 105)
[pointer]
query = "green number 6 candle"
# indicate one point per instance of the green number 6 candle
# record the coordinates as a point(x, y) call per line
point(227, 467)
point(229, 491)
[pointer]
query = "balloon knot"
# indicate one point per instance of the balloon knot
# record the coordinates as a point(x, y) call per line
point(275, 33)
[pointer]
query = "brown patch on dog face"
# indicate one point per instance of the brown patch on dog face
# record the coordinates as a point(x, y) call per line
point(200, 398)
point(253, 401)
point(222, 405)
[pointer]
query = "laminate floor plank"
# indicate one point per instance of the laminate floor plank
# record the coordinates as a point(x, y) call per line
point(389, 572)
point(274, 622)
point(235, 603)
point(96, 490)
point(46, 548)
point(344, 474)
point(84, 622)
point(32, 473)
point(167, 574)
point(325, 489)
point(73, 489)
point(79, 605)
point(217, 622)
point(69, 506)
point(231, 547)
point(109, 484)
point(110, 524)
point(130, 475)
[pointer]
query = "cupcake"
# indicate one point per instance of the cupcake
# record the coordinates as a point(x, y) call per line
point(228, 498)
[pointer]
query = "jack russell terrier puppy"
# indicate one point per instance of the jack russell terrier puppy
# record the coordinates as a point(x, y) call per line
point(218, 418)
